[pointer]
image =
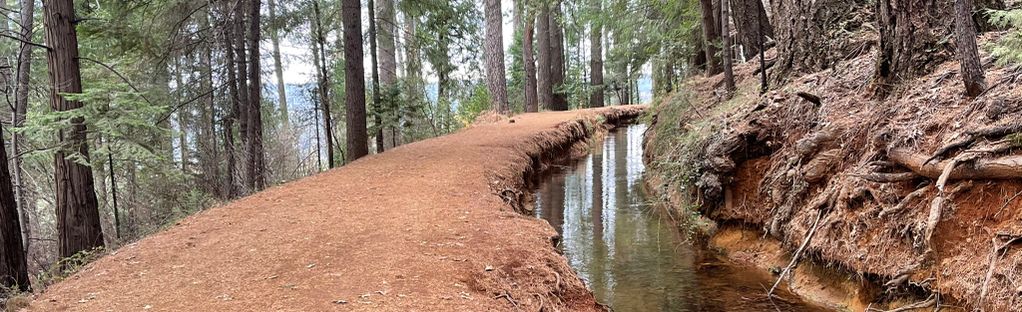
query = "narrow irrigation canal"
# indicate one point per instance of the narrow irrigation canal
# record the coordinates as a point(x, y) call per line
point(628, 253)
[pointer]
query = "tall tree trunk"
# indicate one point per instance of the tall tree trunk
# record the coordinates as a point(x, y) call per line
point(725, 35)
point(209, 156)
point(495, 76)
point(241, 58)
point(230, 189)
point(907, 29)
point(544, 86)
point(278, 66)
point(528, 57)
point(354, 82)
point(256, 166)
point(18, 117)
point(560, 98)
point(387, 46)
point(323, 80)
point(375, 73)
point(182, 114)
point(78, 223)
point(711, 32)
point(596, 55)
point(968, 54)
point(750, 22)
point(13, 267)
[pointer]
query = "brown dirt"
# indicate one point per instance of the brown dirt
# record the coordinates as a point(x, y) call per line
point(426, 226)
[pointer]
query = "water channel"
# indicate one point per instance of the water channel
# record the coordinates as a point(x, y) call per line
point(628, 252)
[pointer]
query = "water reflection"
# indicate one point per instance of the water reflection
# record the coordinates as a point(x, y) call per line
point(630, 257)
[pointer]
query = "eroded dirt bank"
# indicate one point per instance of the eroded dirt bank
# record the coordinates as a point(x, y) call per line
point(821, 162)
point(427, 226)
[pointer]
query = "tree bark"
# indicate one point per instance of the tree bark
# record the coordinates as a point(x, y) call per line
point(21, 89)
point(528, 57)
point(182, 114)
point(375, 73)
point(725, 35)
point(256, 168)
point(596, 55)
point(968, 53)
point(13, 267)
point(387, 47)
point(241, 57)
point(750, 23)
point(230, 189)
point(278, 67)
point(804, 42)
point(209, 156)
point(496, 81)
point(910, 36)
point(78, 224)
point(544, 86)
point(354, 85)
point(560, 98)
point(711, 31)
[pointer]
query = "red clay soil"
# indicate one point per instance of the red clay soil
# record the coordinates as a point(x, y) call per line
point(417, 228)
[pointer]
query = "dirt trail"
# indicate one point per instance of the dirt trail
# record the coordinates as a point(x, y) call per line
point(416, 228)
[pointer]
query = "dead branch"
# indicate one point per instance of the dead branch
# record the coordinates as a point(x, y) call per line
point(769, 64)
point(1006, 167)
point(810, 97)
point(798, 253)
point(972, 135)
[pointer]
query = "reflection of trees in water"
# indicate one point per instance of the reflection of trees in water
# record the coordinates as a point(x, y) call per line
point(629, 256)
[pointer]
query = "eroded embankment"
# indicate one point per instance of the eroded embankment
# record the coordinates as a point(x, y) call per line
point(421, 227)
point(824, 164)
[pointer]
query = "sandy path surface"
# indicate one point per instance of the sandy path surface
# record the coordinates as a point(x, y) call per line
point(417, 228)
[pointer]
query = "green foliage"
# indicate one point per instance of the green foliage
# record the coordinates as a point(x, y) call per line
point(475, 104)
point(66, 267)
point(1007, 50)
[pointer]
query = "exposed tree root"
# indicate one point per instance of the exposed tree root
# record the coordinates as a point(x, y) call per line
point(1006, 167)
point(881, 177)
point(911, 307)
point(994, 131)
point(798, 253)
point(998, 248)
point(904, 202)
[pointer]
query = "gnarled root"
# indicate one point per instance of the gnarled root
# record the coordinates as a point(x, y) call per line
point(1006, 167)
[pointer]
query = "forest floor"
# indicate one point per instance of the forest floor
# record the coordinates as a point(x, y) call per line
point(426, 226)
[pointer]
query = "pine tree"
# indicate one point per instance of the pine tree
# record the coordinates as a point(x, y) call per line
point(495, 77)
point(78, 224)
point(354, 87)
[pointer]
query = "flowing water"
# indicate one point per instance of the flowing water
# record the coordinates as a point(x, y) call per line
point(628, 253)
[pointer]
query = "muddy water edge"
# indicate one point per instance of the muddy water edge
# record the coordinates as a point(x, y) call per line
point(630, 252)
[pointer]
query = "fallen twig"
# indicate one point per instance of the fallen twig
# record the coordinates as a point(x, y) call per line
point(507, 295)
point(810, 97)
point(1006, 203)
